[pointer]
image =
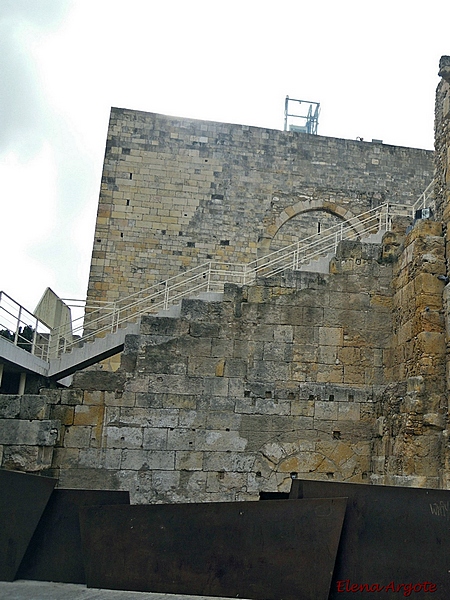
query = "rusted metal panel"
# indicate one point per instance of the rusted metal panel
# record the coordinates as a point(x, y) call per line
point(392, 537)
point(23, 498)
point(55, 552)
point(278, 550)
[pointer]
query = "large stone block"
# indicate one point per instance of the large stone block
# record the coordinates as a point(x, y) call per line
point(14, 432)
point(230, 461)
point(219, 440)
point(27, 458)
point(122, 437)
point(9, 406)
point(189, 461)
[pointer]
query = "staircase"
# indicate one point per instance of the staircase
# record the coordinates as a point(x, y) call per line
point(101, 333)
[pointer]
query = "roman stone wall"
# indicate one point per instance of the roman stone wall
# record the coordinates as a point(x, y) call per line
point(442, 197)
point(280, 379)
point(410, 448)
point(337, 376)
point(27, 433)
point(178, 192)
point(442, 141)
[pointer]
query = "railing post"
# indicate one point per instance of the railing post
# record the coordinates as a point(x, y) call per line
point(208, 282)
point(33, 343)
point(166, 296)
point(113, 317)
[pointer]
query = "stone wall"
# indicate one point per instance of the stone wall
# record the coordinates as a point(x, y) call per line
point(281, 379)
point(27, 433)
point(442, 141)
point(338, 376)
point(413, 412)
point(178, 192)
point(442, 195)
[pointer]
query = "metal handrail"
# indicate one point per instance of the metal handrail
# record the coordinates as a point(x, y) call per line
point(423, 200)
point(14, 321)
point(212, 276)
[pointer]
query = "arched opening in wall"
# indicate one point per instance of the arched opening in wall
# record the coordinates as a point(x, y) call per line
point(312, 224)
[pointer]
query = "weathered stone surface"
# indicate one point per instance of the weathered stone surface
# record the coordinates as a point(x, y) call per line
point(9, 406)
point(28, 433)
point(99, 380)
point(340, 376)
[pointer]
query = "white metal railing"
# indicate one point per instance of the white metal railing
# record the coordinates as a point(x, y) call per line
point(22, 328)
point(211, 276)
point(425, 199)
point(208, 277)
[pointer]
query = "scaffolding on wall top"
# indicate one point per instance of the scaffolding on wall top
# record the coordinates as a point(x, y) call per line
point(308, 123)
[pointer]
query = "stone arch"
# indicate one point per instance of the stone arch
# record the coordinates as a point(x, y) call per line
point(282, 459)
point(305, 205)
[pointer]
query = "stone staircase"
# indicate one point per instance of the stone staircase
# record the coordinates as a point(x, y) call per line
point(108, 329)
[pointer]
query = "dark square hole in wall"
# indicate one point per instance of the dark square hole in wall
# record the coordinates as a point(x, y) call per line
point(331, 397)
point(224, 242)
point(291, 396)
point(268, 394)
point(180, 233)
point(336, 435)
point(351, 397)
point(209, 256)
point(98, 241)
point(217, 197)
point(311, 397)
point(247, 394)
point(125, 150)
point(163, 231)
point(190, 244)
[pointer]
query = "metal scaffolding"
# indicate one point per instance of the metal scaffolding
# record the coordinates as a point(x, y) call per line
point(308, 122)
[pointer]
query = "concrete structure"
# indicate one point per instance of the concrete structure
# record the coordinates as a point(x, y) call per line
point(340, 375)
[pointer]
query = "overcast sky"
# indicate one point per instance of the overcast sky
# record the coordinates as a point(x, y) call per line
point(64, 63)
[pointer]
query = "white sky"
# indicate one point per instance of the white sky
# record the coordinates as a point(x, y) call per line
point(64, 63)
